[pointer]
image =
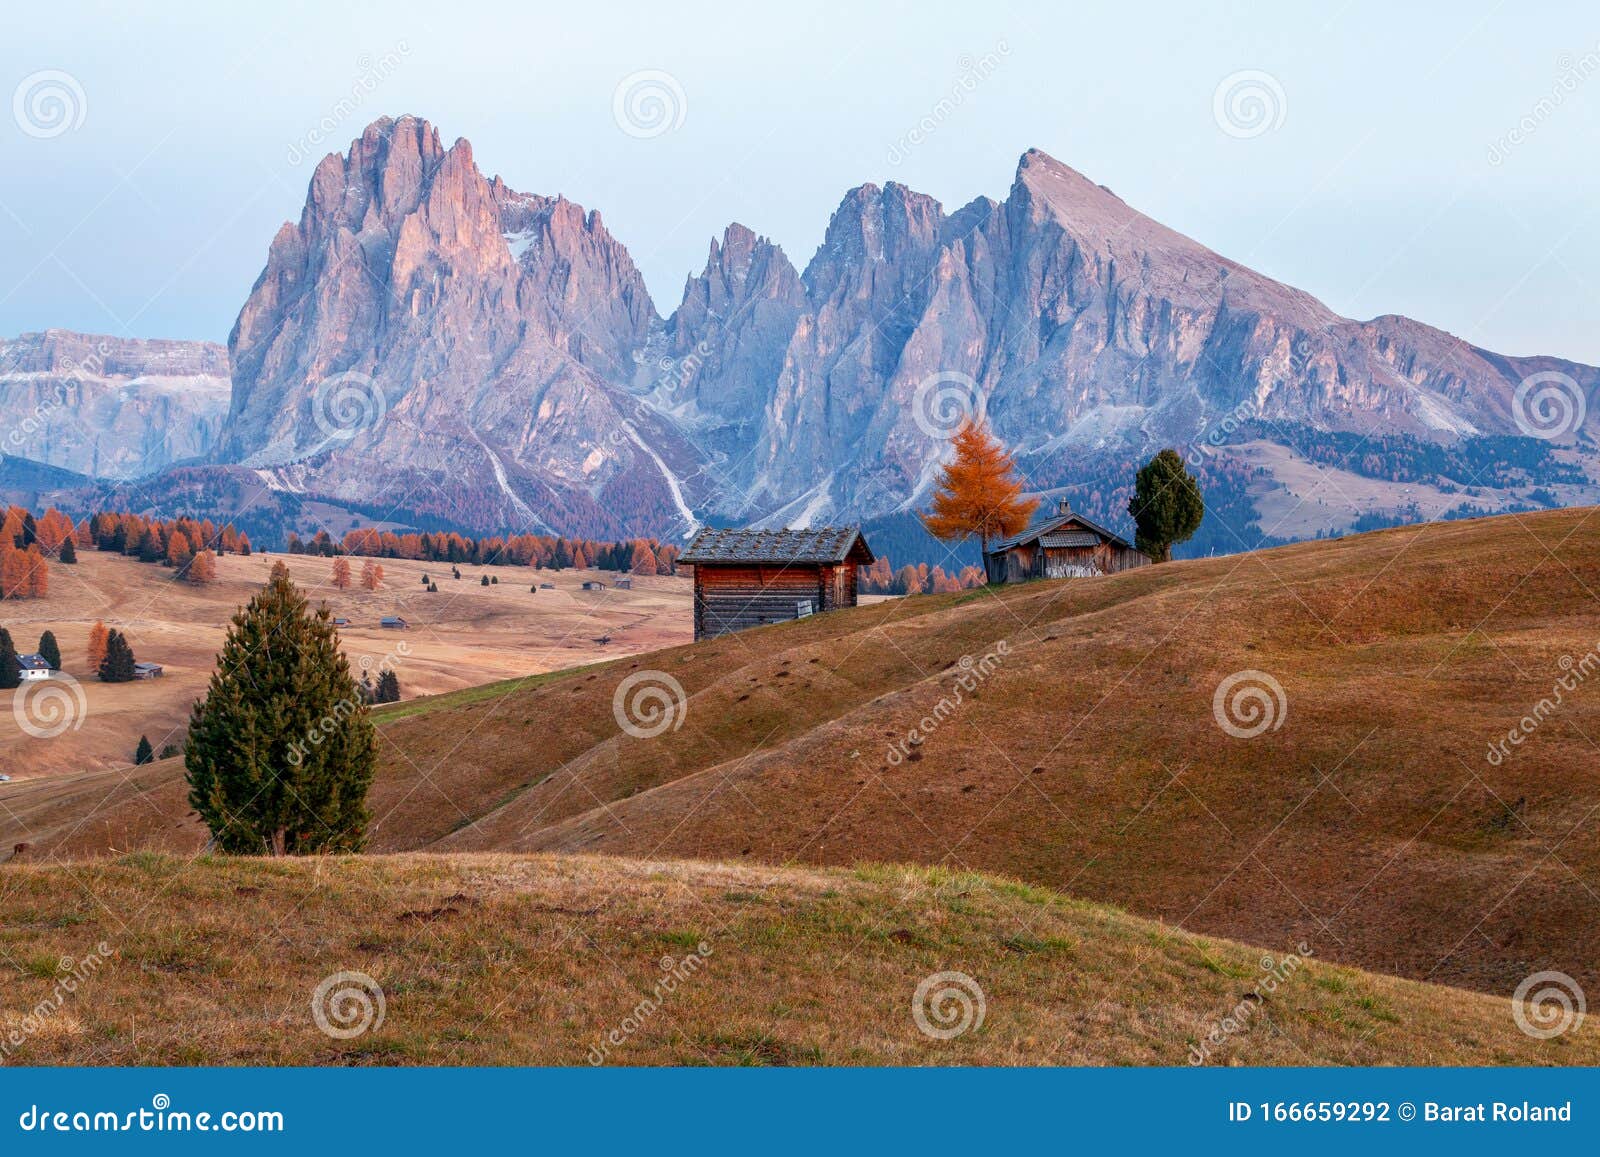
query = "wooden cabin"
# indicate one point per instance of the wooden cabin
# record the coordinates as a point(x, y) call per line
point(1063, 545)
point(748, 578)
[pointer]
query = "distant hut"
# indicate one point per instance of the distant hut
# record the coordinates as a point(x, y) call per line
point(748, 578)
point(1062, 545)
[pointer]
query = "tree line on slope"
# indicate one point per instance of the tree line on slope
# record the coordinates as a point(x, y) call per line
point(641, 556)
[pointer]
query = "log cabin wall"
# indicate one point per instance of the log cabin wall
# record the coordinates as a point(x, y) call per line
point(1027, 561)
point(735, 598)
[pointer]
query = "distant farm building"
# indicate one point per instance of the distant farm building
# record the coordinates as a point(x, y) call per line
point(748, 578)
point(625, 583)
point(393, 623)
point(341, 622)
point(34, 666)
point(147, 671)
point(1062, 545)
point(594, 585)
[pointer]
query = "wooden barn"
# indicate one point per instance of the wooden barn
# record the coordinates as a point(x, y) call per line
point(1063, 545)
point(748, 578)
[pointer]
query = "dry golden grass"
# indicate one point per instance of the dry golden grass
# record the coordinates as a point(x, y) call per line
point(464, 635)
point(1369, 824)
point(536, 960)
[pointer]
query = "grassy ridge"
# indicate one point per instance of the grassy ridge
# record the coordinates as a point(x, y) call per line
point(537, 960)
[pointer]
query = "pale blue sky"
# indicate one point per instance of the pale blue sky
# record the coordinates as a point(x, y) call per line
point(1376, 191)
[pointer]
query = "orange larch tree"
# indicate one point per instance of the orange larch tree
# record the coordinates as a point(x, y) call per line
point(97, 645)
point(340, 577)
point(371, 575)
point(202, 569)
point(978, 491)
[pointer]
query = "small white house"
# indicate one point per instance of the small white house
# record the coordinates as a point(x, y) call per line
point(34, 666)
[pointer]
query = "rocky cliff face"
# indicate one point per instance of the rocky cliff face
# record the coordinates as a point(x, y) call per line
point(429, 342)
point(1080, 327)
point(110, 407)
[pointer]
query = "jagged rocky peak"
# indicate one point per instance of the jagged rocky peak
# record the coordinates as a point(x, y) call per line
point(515, 346)
point(739, 266)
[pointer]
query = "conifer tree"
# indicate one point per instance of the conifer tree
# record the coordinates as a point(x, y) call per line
point(1166, 505)
point(978, 493)
point(97, 646)
point(388, 687)
point(50, 650)
point(144, 753)
point(117, 666)
point(340, 577)
point(281, 751)
point(10, 669)
point(68, 553)
point(150, 549)
point(203, 568)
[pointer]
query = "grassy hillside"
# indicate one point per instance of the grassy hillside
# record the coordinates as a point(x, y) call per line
point(1368, 823)
point(464, 634)
point(537, 960)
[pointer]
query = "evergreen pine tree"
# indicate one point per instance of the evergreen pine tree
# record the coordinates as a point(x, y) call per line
point(69, 552)
point(281, 751)
point(50, 650)
point(1166, 505)
point(144, 753)
point(388, 688)
point(117, 666)
point(150, 548)
point(10, 669)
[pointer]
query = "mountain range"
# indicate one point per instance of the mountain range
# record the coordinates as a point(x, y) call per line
point(427, 345)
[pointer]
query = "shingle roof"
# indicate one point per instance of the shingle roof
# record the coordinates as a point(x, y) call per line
point(822, 544)
point(1054, 522)
point(33, 662)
